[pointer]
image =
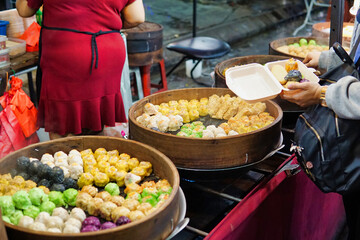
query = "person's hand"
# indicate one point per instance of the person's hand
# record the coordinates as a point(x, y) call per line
point(312, 59)
point(303, 94)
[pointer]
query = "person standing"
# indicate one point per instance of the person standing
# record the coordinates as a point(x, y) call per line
point(82, 54)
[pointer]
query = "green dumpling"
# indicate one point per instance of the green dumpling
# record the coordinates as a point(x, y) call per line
point(7, 205)
point(15, 217)
point(32, 211)
point(37, 196)
point(57, 198)
point(70, 196)
point(21, 199)
point(48, 207)
point(113, 189)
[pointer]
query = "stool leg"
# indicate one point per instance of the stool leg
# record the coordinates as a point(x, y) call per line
point(138, 84)
point(145, 79)
point(163, 74)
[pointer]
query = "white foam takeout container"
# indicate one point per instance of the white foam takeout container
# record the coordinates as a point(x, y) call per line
point(254, 82)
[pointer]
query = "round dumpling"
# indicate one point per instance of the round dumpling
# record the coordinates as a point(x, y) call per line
point(74, 152)
point(78, 213)
point(45, 158)
point(53, 230)
point(61, 212)
point(42, 217)
point(208, 134)
point(75, 170)
point(211, 128)
point(75, 159)
point(218, 131)
point(71, 229)
point(74, 222)
point(55, 222)
point(37, 226)
point(232, 133)
point(25, 221)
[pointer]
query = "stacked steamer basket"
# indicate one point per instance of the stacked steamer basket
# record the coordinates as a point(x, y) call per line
point(204, 153)
point(157, 225)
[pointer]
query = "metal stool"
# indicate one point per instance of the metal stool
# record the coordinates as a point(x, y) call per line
point(198, 48)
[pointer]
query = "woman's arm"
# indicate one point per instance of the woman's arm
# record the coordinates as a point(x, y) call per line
point(133, 14)
point(23, 9)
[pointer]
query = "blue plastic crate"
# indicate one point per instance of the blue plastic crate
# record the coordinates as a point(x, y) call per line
point(3, 25)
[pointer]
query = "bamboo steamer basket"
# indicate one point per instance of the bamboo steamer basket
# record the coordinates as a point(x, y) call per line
point(157, 225)
point(274, 45)
point(195, 153)
point(318, 30)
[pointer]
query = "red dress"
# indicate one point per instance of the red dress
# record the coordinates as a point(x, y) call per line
point(76, 95)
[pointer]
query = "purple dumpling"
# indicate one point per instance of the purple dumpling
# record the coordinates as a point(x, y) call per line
point(91, 221)
point(122, 220)
point(107, 225)
point(90, 228)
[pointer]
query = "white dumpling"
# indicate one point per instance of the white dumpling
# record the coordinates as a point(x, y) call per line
point(211, 128)
point(42, 217)
point(61, 212)
point(70, 229)
point(74, 222)
point(232, 133)
point(74, 152)
point(75, 159)
point(208, 134)
point(66, 171)
point(60, 155)
point(218, 131)
point(150, 109)
point(143, 119)
point(131, 178)
point(221, 135)
point(62, 162)
point(37, 226)
point(163, 123)
point(25, 221)
point(153, 121)
point(78, 213)
point(75, 170)
point(53, 230)
point(47, 158)
point(55, 222)
point(176, 121)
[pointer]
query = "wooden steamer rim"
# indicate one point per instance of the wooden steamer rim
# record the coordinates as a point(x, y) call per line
point(198, 153)
point(167, 214)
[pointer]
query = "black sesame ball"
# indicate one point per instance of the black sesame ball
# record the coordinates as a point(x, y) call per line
point(45, 171)
point(34, 178)
point(23, 163)
point(44, 182)
point(70, 183)
point(35, 168)
point(57, 175)
point(57, 187)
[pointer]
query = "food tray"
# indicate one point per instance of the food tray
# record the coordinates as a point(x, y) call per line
point(157, 225)
point(253, 82)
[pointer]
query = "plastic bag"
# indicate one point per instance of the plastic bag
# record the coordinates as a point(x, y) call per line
point(22, 107)
point(32, 36)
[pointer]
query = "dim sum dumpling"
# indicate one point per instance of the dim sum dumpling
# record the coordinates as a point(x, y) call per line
point(61, 212)
point(71, 229)
point(37, 226)
point(150, 109)
point(55, 222)
point(208, 134)
point(25, 221)
point(78, 213)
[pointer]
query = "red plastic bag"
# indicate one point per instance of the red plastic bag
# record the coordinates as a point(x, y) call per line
point(31, 36)
point(11, 136)
point(22, 107)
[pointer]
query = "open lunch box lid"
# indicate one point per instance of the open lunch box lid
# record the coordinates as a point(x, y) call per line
point(254, 82)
